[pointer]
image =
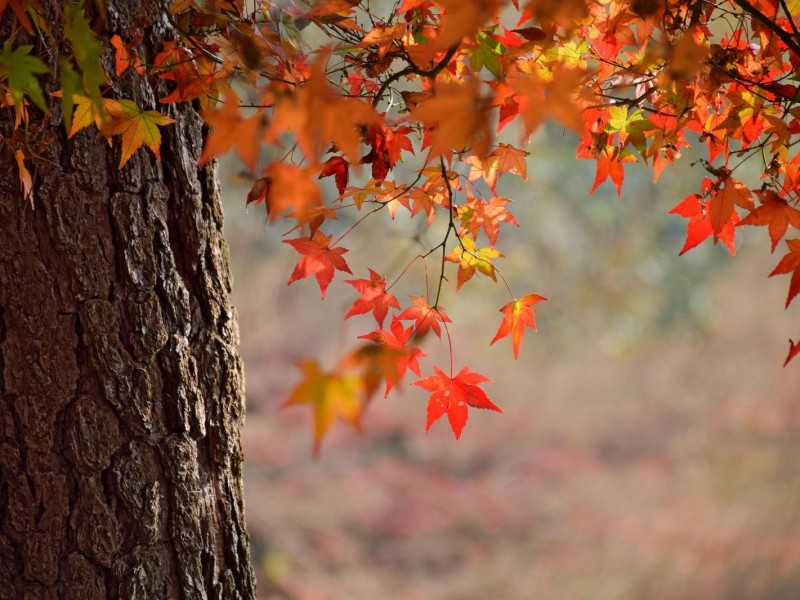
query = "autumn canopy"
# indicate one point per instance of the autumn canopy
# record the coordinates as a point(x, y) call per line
point(346, 90)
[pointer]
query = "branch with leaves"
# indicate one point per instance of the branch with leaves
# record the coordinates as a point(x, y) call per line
point(635, 81)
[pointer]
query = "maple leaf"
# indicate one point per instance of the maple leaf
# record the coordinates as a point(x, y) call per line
point(337, 166)
point(794, 350)
point(470, 259)
point(517, 315)
point(609, 164)
point(722, 202)
point(25, 179)
point(452, 396)
point(427, 317)
point(18, 7)
point(462, 19)
point(790, 263)
point(329, 8)
point(318, 259)
point(21, 69)
point(194, 76)
point(404, 357)
point(137, 127)
point(458, 118)
point(776, 213)
point(229, 129)
point(317, 114)
point(124, 56)
point(378, 363)
point(511, 160)
point(332, 395)
point(556, 97)
point(478, 213)
point(383, 36)
point(386, 144)
point(699, 227)
point(87, 113)
point(87, 51)
point(291, 187)
point(487, 169)
point(259, 191)
point(374, 297)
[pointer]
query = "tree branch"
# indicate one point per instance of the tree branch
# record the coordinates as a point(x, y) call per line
point(412, 70)
point(784, 36)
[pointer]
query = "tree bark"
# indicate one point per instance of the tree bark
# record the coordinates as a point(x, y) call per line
point(121, 387)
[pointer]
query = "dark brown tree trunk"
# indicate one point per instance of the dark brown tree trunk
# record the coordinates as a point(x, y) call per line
point(120, 382)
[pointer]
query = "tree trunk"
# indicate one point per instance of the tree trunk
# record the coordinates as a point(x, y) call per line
point(121, 385)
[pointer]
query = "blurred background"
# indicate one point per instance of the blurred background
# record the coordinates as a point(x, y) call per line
point(650, 440)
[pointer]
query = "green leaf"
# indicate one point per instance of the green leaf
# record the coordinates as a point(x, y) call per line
point(70, 85)
point(87, 51)
point(21, 69)
point(487, 53)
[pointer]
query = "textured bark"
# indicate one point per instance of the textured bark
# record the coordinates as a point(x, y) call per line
point(121, 389)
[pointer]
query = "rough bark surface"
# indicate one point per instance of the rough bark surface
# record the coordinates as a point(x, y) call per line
point(121, 389)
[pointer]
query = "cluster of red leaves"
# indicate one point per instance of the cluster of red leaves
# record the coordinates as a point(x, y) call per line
point(432, 85)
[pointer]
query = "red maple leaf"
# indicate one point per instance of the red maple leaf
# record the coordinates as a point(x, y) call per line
point(517, 315)
point(397, 339)
point(452, 395)
point(339, 167)
point(794, 350)
point(386, 144)
point(318, 259)
point(374, 297)
point(609, 164)
point(426, 316)
point(699, 227)
point(790, 263)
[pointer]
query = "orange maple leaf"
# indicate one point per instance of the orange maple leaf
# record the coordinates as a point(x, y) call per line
point(124, 56)
point(722, 202)
point(374, 297)
point(229, 129)
point(557, 97)
point(136, 126)
point(477, 213)
point(458, 117)
point(332, 395)
point(462, 19)
point(776, 213)
point(194, 76)
point(318, 115)
point(318, 259)
point(517, 315)
point(25, 179)
point(427, 317)
point(452, 395)
point(291, 187)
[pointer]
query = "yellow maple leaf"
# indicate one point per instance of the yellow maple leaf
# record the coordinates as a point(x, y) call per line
point(470, 259)
point(331, 395)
